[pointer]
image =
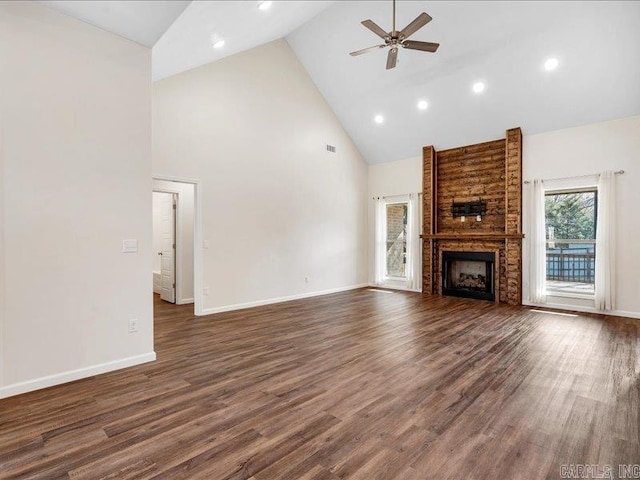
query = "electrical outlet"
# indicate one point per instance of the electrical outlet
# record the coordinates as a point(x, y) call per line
point(306, 279)
point(205, 290)
point(133, 325)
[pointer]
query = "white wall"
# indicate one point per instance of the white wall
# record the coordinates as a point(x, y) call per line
point(184, 234)
point(586, 150)
point(385, 180)
point(76, 106)
point(276, 206)
point(2, 270)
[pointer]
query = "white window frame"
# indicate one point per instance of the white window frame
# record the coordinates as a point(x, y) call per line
point(570, 293)
point(390, 280)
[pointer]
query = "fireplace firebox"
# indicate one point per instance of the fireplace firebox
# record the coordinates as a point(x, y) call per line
point(468, 274)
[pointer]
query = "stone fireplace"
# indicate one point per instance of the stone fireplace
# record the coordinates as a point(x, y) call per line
point(468, 274)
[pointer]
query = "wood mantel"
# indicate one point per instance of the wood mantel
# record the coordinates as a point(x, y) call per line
point(473, 236)
point(491, 171)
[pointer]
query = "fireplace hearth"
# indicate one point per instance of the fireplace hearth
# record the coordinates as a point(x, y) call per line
point(468, 274)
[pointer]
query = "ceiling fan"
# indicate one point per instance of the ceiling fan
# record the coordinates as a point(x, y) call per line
point(395, 39)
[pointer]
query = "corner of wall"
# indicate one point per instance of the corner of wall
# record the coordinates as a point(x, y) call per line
point(2, 302)
point(234, 86)
point(108, 91)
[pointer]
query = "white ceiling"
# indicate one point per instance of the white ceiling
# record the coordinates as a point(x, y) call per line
point(141, 21)
point(502, 43)
point(187, 43)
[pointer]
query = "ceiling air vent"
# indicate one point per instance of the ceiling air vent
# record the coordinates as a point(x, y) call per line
point(331, 148)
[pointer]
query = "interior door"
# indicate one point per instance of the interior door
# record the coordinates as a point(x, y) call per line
point(168, 263)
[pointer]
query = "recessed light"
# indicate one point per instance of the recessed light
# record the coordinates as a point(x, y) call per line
point(218, 44)
point(423, 105)
point(264, 5)
point(379, 119)
point(478, 87)
point(551, 64)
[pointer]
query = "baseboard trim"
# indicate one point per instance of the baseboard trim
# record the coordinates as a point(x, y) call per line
point(577, 308)
point(184, 301)
point(394, 287)
point(72, 375)
point(259, 303)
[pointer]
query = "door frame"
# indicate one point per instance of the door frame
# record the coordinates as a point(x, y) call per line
point(197, 236)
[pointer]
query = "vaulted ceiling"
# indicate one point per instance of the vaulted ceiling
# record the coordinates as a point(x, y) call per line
point(503, 44)
point(182, 32)
point(187, 43)
point(143, 22)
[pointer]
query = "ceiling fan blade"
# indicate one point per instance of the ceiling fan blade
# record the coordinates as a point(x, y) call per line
point(423, 46)
point(366, 50)
point(420, 21)
point(392, 58)
point(371, 25)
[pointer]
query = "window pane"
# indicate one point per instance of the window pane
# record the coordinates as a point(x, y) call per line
point(397, 239)
point(571, 233)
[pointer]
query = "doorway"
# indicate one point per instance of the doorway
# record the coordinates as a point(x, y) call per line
point(174, 212)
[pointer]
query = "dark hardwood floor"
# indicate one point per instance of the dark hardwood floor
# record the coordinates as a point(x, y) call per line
point(364, 385)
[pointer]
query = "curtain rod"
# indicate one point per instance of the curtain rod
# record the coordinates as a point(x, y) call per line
point(401, 195)
point(617, 172)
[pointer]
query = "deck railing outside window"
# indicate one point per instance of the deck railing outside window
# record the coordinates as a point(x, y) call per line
point(571, 264)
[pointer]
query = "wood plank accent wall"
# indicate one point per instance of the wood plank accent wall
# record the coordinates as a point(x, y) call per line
point(491, 171)
point(513, 223)
point(465, 174)
point(428, 217)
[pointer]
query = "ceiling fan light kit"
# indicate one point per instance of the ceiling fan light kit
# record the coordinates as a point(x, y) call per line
point(395, 38)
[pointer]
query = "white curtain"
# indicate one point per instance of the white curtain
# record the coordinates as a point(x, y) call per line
point(380, 267)
point(414, 244)
point(605, 243)
point(537, 245)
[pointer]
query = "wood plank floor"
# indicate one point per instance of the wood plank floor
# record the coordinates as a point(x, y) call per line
point(363, 385)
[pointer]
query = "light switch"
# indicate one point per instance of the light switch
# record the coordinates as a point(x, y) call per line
point(205, 244)
point(130, 246)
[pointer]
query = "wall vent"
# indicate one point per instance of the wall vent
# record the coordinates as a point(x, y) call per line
point(331, 148)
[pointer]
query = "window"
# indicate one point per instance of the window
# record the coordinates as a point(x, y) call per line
point(396, 239)
point(571, 217)
point(397, 246)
